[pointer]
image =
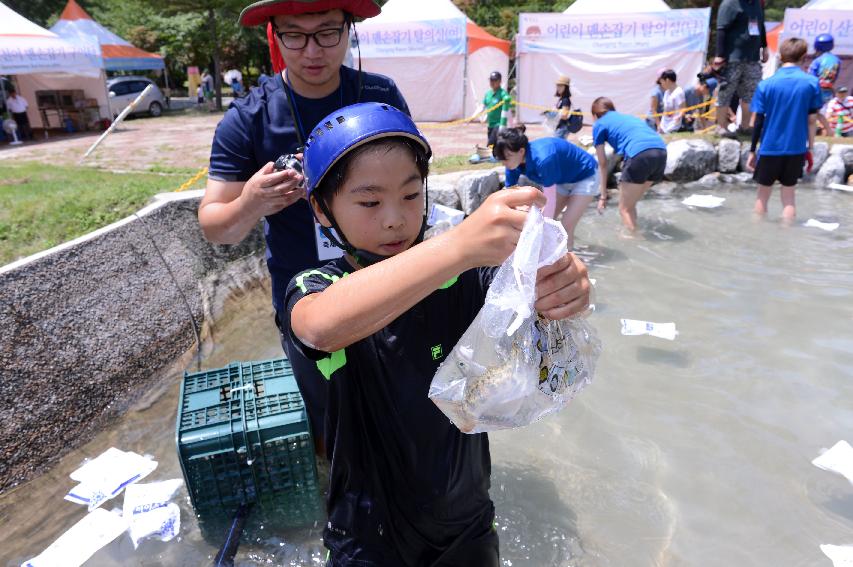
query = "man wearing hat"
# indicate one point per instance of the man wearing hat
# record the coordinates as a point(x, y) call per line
point(496, 119)
point(310, 38)
point(839, 112)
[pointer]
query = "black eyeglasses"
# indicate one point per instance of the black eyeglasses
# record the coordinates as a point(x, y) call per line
point(330, 37)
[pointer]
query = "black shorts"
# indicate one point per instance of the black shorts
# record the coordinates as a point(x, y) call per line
point(492, 134)
point(648, 165)
point(784, 169)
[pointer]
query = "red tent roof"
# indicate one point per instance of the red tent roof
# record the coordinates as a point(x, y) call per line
point(478, 37)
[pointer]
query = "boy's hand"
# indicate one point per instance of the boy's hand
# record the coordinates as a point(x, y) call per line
point(751, 161)
point(562, 289)
point(491, 233)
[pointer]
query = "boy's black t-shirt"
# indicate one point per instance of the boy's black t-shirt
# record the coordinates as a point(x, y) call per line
point(403, 477)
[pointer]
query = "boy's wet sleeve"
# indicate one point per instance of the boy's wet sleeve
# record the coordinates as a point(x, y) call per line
point(599, 135)
point(512, 176)
point(756, 105)
point(301, 286)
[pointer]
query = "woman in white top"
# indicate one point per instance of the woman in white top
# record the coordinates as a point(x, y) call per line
point(674, 103)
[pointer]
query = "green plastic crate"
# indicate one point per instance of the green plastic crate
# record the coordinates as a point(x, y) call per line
point(243, 437)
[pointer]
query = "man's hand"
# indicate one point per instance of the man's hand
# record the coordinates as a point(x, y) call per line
point(765, 55)
point(751, 161)
point(718, 63)
point(268, 191)
point(562, 289)
point(809, 161)
point(491, 233)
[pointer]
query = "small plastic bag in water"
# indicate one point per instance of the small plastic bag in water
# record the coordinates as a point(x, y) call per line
point(512, 367)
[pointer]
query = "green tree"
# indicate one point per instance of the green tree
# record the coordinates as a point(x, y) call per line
point(41, 12)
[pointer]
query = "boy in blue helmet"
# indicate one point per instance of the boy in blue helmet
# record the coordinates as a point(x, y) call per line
point(826, 67)
point(407, 488)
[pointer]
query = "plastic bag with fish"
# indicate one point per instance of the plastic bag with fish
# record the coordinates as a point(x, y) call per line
point(512, 367)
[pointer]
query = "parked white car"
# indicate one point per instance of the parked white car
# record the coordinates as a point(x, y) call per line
point(124, 90)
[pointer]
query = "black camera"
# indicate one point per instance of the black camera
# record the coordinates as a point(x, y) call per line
point(290, 161)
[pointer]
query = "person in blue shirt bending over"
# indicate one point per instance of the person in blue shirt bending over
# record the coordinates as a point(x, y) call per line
point(566, 172)
point(826, 67)
point(785, 107)
point(643, 150)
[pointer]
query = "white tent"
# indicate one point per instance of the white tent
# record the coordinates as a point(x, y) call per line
point(616, 51)
point(41, 60)
point(616, 6)
point(822, 16)
point(421, 45)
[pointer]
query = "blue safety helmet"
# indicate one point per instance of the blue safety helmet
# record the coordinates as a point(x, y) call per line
point(341, 132)
point(349, 128)
point(824, 42)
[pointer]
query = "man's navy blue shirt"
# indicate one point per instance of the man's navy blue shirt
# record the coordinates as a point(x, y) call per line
point(258, 129)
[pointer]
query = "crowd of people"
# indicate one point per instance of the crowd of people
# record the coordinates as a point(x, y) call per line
point(366, 321)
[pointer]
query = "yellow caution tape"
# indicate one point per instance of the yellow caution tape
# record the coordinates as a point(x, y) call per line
point(464, 120)
point(192, 181)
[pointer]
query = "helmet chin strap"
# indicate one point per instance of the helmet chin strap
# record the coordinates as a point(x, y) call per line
point(363, 258)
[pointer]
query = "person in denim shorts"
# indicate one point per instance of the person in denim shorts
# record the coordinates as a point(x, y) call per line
point(741, 49)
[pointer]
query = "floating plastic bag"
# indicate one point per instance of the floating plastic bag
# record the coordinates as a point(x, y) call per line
point(512, 367)
point(106, 475)
point(149, 512)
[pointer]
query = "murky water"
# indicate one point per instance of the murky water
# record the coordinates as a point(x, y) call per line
point(692, 452)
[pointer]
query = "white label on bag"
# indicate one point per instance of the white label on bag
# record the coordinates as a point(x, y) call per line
point(325, 249)
point(633, 327)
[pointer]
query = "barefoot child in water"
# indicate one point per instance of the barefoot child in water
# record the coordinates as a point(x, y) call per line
point(406, 486)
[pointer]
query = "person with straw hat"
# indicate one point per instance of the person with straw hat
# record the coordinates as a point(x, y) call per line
point(568, 123)
point(308, 42)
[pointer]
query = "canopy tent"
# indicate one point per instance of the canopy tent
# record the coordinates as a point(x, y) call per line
point(615, 52)
point(27, 48)
point(486, 53)
point(421, 45)
point(41, 60)
point(119, 55)
point(616, 6)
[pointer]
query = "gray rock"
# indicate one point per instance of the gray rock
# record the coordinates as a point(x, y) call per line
point(475, 187)
point(744, 155)
point(820, 153)
point(845, 152)
point(524, 181)
point(443, 193)
point(612, 158)
point(832, 171)
point(728, 155)
point(688, 160)
point(743, 177)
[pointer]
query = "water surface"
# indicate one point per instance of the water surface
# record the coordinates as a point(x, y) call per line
point(691, 452)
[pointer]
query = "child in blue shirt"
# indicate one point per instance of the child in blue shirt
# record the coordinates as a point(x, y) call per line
point(785, 107)
point(407, 488)
point(826, 67)
point(643, 150)
point(566, 172)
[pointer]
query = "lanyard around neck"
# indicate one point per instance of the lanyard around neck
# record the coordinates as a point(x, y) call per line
point(294, 108)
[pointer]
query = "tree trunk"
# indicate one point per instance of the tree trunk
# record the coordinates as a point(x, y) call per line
point(217, 71)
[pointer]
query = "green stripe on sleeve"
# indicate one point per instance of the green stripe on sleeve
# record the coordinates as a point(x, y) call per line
point(329, 365)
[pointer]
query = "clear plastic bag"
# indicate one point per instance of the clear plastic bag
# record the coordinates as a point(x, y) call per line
point(512, 367)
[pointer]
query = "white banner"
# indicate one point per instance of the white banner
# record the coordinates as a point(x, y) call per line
point(21, 55)
point(683, 30)
point(808, 24)
point(412, 39)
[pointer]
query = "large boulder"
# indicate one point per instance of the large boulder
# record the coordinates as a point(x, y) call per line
point(845, 152)
point(475, 187)
point(819, 154)
point(832, 171)
point(612, 158)
point(728, 155)
point(689, 160)
point(443, 192)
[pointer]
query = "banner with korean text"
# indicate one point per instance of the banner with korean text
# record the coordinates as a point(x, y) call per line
point(426, 58)
point(613, 55)
point(808, 24)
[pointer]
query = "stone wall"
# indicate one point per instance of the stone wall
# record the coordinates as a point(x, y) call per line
point(86, 326)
